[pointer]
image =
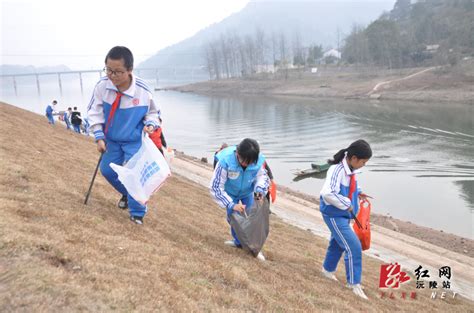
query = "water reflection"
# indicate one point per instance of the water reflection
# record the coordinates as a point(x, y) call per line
point(467, 192)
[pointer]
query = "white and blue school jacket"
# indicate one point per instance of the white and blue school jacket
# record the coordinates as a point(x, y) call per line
point(136, 109)
point(231, 182)
point(334, 196)
point(49, 110)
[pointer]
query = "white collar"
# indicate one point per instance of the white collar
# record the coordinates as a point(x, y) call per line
point(129, 92)
point(348, 169)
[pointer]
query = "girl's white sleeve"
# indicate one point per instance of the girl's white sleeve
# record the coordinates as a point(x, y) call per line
point(262, 181)
point(216, 188)
point(332, 187)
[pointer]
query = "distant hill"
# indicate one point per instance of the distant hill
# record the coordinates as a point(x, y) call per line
point(415, 33)
point(6, 69)
point(316, 23)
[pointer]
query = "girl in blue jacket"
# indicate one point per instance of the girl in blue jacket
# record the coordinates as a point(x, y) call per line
point(239, 174)
point(338, 208)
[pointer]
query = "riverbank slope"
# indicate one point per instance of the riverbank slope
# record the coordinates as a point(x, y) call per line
point(440, 84)
point(57, 254)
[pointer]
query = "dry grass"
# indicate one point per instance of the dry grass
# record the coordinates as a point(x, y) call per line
point(58, 255)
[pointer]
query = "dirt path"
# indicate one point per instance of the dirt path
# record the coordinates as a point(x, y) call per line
point(376, 87)
point(387, 245)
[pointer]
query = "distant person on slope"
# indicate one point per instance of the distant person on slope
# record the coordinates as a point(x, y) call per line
point(121, 109)
point(67, 117)
point(239, 176)
point(337, 206)
point(50, 109)
point(76, 120)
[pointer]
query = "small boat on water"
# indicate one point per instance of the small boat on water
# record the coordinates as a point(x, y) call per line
point(320, 167)
point(315, 169)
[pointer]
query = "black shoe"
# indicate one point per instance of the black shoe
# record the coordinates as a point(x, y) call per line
point(137, 219)
point(123, 203)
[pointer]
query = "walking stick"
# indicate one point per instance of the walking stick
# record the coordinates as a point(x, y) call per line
point(93, 178)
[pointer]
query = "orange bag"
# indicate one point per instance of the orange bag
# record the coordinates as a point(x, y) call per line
point(362, 220)
point(362, 224)
point(273, 191)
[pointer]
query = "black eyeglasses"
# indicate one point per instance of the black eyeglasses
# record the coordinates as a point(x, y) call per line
point(109, 72)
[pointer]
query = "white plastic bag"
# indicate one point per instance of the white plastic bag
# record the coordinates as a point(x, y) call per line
point(145, 172)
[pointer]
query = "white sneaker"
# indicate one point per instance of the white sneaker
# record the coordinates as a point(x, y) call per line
point(350, 286)
point(329, 275)
point(230, 243)
point(260, 256)
point(357, 289)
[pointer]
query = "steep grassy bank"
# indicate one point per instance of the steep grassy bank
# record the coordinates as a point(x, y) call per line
point(58, 255)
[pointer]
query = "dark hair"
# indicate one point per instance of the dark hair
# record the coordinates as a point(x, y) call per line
point(69, 108)
point(75, 108)
point(359, 148)
point(248, 149)
point(121, 52)
point(54, 101)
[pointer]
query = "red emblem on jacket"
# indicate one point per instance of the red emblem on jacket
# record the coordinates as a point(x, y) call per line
point(135, 101)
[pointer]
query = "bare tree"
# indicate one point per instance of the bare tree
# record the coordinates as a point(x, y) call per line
point(209, 62)
point(274, 48)
point(225, 55)
point(284, 57)
point(299, 58)
point(250, 54)
point(260, 47)
point(215, 59)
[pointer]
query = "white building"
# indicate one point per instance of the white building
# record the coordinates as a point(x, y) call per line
point(332, 53)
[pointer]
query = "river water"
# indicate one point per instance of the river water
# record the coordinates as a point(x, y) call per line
point(422, 169)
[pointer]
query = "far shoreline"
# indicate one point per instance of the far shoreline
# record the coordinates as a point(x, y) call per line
point(421, 85)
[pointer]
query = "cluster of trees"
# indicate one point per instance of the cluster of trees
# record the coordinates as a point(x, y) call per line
point(412, 34)
point(232, 55)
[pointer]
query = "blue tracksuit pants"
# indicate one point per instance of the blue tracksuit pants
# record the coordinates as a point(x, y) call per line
point(343, 239)
point(50, 119)
point(118, 153)
point(77, 129)
point(248, 202)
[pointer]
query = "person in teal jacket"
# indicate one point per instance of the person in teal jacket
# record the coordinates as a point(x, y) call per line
point(238, 178)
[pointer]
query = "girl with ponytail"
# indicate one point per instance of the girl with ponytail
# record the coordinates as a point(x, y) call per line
point(338, 207)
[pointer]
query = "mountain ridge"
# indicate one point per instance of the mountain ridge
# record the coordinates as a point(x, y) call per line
point(317, 22)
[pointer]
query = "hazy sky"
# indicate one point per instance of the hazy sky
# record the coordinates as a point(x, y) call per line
point(79, 33)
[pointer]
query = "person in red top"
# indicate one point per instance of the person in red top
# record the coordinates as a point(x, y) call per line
point(159, 139)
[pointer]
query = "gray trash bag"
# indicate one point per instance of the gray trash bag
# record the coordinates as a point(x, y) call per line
point(252, 230)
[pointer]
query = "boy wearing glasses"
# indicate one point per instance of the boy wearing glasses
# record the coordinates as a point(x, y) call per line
point(239, 174)
point(121, 108)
